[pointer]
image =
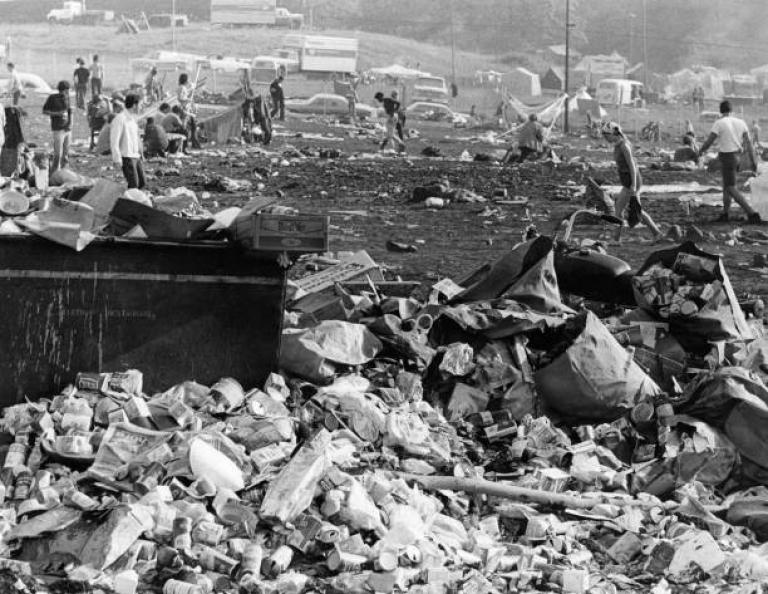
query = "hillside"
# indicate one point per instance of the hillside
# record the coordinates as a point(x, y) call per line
point(51, 49)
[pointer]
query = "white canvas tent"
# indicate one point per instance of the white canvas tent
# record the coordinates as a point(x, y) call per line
point(522, 81)
point(683, 82)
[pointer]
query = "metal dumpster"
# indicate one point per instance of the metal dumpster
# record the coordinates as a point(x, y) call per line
point(175, 311)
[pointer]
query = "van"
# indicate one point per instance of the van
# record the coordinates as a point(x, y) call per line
point(619, 91)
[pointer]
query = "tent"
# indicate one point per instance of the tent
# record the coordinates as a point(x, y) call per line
point(712, 80)
point(397, 71)
point(522, 82)
point(553, 79)
point(597, 67)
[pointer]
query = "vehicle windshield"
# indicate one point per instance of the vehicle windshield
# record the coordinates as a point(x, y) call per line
point(430, 81)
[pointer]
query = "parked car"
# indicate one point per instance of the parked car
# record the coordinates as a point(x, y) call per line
point(328, 103)
point(435, 112)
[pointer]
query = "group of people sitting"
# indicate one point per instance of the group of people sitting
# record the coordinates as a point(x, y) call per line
point(163, 134)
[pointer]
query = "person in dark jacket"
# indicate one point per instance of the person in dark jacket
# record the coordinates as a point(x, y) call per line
point(57, 107)
point(155, 139)
point(278, 98)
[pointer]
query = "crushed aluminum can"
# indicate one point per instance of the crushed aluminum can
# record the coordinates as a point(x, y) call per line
point(278, 562)
point(208, 533)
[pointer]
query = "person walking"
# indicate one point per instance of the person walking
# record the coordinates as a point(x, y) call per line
point(732, 137)
point(125, 143)
point(14, 84)
point(186, 95)
point(628, 207)
point(391, 108)
point(97, 76)
point(278, 98)
point(58, 109)
point(81, 77)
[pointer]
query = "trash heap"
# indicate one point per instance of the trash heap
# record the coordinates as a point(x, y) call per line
point(483, 437)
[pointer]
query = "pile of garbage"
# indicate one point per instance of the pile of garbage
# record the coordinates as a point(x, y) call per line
point(484, 436)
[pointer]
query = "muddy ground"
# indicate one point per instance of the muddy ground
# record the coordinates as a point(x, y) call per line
point(368, 195)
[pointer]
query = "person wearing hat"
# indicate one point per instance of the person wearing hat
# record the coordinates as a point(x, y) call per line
point(627, 205)
point(125, 143)
point(57, 108)
point(732, 137)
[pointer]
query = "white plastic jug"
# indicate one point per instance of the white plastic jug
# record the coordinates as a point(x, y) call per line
point(759, 192)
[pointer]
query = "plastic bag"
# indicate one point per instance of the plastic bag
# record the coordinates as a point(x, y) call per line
point(595, 379)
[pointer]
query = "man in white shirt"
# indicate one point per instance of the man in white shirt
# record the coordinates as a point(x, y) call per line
point(732, 137)
point(125, 143)
point(14, 84)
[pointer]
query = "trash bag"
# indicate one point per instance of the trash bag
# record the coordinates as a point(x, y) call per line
point(525, 274)
point(750, 509)
point(747, 427)
point(710, 461)
point(712, 396)
point(754, 357)
point(717, 318)
point(311, 353)
point(595, 380)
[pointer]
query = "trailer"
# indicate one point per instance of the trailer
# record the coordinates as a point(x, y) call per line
point(324, 54)
point(244, 12)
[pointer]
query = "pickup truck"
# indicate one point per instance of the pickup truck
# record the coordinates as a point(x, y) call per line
point(284, 18)
point(66, 14)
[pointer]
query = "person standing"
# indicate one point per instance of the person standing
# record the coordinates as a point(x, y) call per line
point(125, 143)
point(628, 206)
point(14, 84)
point(401, 117)
point(732, 137)
point(57, 108)
point(278, 98)
point(756, 134)
point(81, 77)
point(186, 95)
point(97, 76)
point(391, 108)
